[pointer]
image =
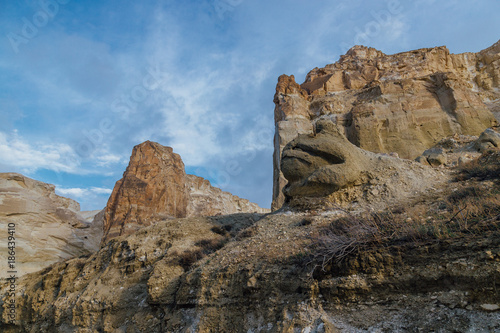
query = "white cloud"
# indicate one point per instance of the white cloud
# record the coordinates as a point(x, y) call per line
point(15, 152)
point(101, 190)
point(108, 159)
point(91, 198)
point(82, 193)
point(75, 192)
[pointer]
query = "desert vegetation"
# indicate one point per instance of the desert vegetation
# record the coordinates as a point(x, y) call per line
point(471, 208)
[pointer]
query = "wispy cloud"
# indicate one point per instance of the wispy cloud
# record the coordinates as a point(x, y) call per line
point(82, 192)
point(18, 154)
point(89, 198)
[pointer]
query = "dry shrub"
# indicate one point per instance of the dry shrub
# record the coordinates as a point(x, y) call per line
point(247, 233)
point(474, 207)
point(487, 166)
point(189, 257)
point(342, 237)
point(203, 248)
point(471, 211)
point(221, 230)
point(210, 245)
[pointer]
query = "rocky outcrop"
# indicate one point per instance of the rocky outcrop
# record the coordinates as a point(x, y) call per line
point(48, 228)
point(155, 186)
point(152, 187)
point(206, 200)
point(403, 103)
point(325, 170)
point(458, 149)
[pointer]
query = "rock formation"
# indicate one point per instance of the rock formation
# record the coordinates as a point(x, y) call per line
point(374, 243)
point(48, 227)
point(403, 103)
point(155, 186)
point(152, 187)
point(206, 200)
point(457, 149)
point(326, 169)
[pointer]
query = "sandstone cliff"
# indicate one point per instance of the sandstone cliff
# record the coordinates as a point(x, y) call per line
point(48, 227)
point(155, 186)
point(402, 103)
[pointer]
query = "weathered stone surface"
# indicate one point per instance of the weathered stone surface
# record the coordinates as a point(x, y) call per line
point(403, 103)
point(488, 139)
point(133, 284)
point(458, 149)
point(155, 186)
point(326, 169)
point(206, 200)
point(152, 187)
point(320, 164)
point(48, 228)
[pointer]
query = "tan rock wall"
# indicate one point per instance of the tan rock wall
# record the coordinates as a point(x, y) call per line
point(402, 103)
point(48, 227)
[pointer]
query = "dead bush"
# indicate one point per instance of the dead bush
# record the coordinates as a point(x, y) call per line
point(203, 248)
point(210, 245)
point(247, 233)
point(486, 167)
point(474, 211)
point(187, 258)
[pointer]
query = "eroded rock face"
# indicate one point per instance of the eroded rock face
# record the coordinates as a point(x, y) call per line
point(325, 169)
point(206, 200)
point(320, 164)
point(403, 103)
point(152, 187)
point(155, 186)
point(48, 228)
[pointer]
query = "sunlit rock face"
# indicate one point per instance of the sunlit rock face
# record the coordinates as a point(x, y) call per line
point(155, 187)
point(402, 103)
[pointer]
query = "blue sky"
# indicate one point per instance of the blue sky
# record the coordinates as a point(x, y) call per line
point(82, 82)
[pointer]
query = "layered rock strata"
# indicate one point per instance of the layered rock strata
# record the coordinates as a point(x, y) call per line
point(155, 186)
point(403, 103)
point(47, 228)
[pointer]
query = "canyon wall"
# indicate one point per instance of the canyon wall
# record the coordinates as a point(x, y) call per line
point(402, 103)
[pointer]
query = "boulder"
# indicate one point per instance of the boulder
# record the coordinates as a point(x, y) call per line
point(487, 140)
point(317, 165)
point(325, 170)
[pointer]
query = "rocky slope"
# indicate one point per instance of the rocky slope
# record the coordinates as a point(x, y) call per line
point(262, 278)
point(403, 103)
point(48, 228)
point(155, 186)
